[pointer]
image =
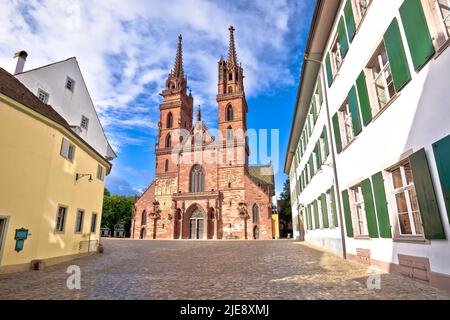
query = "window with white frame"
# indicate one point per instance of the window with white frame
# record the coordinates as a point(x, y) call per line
point(359, 211)
point(67, 150)
point(407, 207)
point(43, 96)
point(61, 219)
point(336, 57)
point(100, 173)
point(382, 82)
point(84, 122)
point(94, 222)
point(79, 221)
point(443, 7)
point(360, 7)
point(346, 124)
point(330, 210)
point(70, 84)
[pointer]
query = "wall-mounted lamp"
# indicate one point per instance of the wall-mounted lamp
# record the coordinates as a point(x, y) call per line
point(82, 175)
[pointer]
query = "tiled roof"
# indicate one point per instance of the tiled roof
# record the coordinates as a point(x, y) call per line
point(264, 174)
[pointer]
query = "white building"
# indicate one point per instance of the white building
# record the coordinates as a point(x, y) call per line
point(61, 85)
point(370, 142)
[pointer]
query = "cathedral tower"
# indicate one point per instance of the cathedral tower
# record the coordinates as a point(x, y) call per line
point(176, 112)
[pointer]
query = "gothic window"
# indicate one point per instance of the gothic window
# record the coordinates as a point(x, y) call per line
point(255, 212)
point(169, 120)
point(168, 141)
point(237, 77)
point(144, 218)
point(166, 166)
point(230, 77)
point(230, 90)
point(229, 133)
point(197, 183)
point(229, 115)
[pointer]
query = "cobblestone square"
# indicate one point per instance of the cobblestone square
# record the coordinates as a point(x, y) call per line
point(282, 269)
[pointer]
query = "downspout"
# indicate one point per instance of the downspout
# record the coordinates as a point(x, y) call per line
point(336, 181)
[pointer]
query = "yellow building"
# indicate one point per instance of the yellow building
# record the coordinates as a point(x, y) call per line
point(51, 185)
point(275, 225)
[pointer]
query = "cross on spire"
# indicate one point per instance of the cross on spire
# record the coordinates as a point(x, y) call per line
point(232, 60)
point(178, 69)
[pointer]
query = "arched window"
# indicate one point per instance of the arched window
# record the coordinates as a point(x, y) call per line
point(168, 141)
point(166, 165)
point(229, 134)
point(197, 182)
point(144, 218)
point(230, 77)
point(230, 89)
point(255, 212)
point(169, 120)
point(229, 115)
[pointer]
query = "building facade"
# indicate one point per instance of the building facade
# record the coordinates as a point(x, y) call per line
point(51, 191)
point(369, 152)
point(62, 86)
point(204, 187)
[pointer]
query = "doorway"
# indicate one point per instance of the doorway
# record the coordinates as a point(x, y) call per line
point(2, 235)
point(196, 228)
point(256, 233)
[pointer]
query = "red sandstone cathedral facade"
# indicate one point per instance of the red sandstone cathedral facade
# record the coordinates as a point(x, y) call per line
point(204, 187)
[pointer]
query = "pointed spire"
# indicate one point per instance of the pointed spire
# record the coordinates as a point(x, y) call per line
point(178, 69)
point(232, 60)
point(199, 114)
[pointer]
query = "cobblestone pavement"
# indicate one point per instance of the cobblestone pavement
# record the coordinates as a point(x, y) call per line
point(211, 270)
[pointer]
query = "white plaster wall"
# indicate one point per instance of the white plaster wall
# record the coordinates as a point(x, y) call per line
point(419, 117)
point(70, 105)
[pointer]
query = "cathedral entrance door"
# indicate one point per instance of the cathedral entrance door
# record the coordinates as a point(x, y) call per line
point(256, 233)
point(196, 225)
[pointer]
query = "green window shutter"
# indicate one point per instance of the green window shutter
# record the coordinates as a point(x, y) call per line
point(379, 191)
point(350, 20)
point(442, 155)
point(314, 109)
point(337, 133)
point(323, 200)
point(326, 147)
point(311, 165)
point(307, 218)
point(354, 110)
point(426, 196)
point(329, 71)
point(364, 102)
point(369, 208)
point(333, 206)
point(347, 214)
point(342, 35)
point(417, 33)
point(319, 88)
point(319, 154)
point(311, 227)
point(316, 215)
point(397, 56)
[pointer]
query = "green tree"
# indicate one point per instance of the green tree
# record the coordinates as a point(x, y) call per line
point(117, 211)
point(284, 206)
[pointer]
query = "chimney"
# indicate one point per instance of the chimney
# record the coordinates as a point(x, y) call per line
point(22, 57)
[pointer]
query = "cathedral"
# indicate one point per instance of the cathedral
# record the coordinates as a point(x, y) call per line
point(204, 187)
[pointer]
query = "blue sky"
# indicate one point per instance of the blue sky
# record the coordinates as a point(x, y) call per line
point(126, 49)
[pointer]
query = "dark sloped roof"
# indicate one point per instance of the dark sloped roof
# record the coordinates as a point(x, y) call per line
point(264, 174)
point(14, 89)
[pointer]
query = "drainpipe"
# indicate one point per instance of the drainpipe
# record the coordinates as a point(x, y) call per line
point(336, 181)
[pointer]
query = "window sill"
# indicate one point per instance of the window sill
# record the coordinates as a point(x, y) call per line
point(442, 48)
point(412, 239)
point(362, 238)
point(348, 144)
point(381, 111)
point(59, 232)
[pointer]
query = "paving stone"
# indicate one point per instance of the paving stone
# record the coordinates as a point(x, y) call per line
point(245, 270)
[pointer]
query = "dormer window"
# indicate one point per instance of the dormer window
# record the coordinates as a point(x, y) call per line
point(70, 84)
